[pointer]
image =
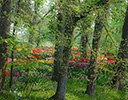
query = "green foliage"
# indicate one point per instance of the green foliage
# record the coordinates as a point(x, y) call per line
point(44, 88)
point(31, 19)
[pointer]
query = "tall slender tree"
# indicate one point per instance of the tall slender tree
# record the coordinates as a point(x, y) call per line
point(5, 9)
point(92, 70)
point(122, 59)
point(13, 32)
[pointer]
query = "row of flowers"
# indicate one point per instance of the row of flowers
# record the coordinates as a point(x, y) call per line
point(84, 62)
point(15, 73)
point(34, 55)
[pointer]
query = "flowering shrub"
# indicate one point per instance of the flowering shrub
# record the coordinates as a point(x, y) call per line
point(15, 73)
point(27, 57)
point(79, 62)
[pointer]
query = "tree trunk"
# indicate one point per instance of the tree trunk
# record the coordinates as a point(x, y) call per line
point(32, 24)
point(84, 45)
point(4, 30)
point(62, 54)
point(14, 29)
point(92, 70)
point(58, 48)
point(84, 38)
point(31, 37)
point(62, 70)
point(121, 63)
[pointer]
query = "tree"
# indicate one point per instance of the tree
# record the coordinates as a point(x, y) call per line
point(67, 19)
point(85, 24)
point(5, 9)
point(92, 69)
point(121, 63)
point(33, 22)
point(13, 33)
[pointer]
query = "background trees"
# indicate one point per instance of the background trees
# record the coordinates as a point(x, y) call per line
point(67, 25)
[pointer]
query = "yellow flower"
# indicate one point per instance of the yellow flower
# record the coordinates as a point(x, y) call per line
point(8, 69)
point(101, 65)
point(43, 61)
point(50, 61)
point(19, 49)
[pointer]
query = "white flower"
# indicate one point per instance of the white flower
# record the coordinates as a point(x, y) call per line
point(14, 91)
point(21, 95)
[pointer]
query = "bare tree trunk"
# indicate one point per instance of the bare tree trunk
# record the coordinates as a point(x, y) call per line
point(122, 59)
point(92, 70)
point(4, 30)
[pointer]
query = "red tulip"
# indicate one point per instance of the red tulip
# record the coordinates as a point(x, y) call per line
point(36, 57)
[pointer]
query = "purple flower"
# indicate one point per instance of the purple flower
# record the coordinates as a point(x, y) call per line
point(83, 63)
point(82, 77)
point(22, 58)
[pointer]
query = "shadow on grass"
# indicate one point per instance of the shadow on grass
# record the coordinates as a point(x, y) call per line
point(10, 96)
point(76, 91)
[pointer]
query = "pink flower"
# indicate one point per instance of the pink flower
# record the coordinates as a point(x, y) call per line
point(82, 77)
point(9, 60)
point(14, 59)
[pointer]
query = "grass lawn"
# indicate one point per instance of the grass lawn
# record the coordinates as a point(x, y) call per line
point(45, 88)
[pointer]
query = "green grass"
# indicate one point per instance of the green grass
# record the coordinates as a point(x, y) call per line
point(45, 88)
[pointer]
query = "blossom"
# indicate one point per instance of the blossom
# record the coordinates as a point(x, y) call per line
point(82, 77)
point(50, 61)
point(71, 62)
point(71, 58)
point(74, 48)
point(26, 47)
point(34, 51)
point(6, 73)
point(19, 49)
point(111, 62)
point(111, 58)
point(89, 52)
point(76, 59)
point(82, 63)
point(110, 55)
point(36, 57)
point(43, 61)
point(84, 59)
point(9, 60)
point(78, 52)
point(17, 74)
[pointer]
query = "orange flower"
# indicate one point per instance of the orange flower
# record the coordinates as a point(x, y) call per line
point(78, 52)
point(88, 51)
point(74, 48)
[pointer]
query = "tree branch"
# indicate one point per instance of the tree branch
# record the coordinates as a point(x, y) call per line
point(92, 7)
